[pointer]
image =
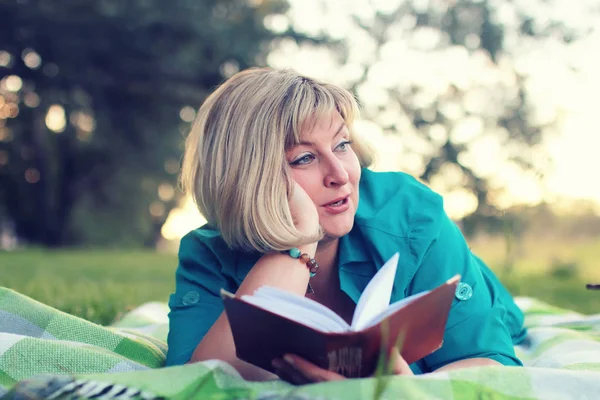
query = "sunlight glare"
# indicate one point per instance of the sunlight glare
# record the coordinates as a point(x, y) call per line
point(182, 220)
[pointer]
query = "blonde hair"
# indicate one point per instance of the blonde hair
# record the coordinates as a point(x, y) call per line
point(234, 164)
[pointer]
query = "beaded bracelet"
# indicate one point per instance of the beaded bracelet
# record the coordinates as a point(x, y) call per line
point(310, 262)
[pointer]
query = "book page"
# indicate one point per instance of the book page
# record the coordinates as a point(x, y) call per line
point(393, 308)
point(337, 323)
point(315, 321)
point(376, 296)
point(297, 308)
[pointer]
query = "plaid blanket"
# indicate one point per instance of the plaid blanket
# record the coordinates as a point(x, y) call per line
point(47, 354)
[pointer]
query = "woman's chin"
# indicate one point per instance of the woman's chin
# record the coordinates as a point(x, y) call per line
point(336, 232)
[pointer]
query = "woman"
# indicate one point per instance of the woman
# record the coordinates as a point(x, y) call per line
point(272, 164)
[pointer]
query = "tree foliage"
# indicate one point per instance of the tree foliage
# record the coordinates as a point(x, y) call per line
point(448, 78)
point(95, 96)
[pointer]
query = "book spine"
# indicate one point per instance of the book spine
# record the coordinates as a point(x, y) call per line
point(353, 355)
point(346, 361)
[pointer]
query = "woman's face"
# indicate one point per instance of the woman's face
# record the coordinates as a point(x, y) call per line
point(327, 168)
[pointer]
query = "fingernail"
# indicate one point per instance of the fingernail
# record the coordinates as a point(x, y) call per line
point(289, 359)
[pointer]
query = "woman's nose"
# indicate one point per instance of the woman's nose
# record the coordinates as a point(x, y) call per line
point(335, 174)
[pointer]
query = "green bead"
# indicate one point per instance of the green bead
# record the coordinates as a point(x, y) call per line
point(294, 252)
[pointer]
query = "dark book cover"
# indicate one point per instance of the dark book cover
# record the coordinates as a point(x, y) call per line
point(260, 335)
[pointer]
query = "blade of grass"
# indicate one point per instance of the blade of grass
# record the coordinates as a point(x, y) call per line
point(385, 363)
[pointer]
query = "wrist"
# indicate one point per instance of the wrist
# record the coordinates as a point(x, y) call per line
point(307, 259)
point(308, 248)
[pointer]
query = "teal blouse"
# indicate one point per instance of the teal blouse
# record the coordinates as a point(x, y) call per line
point(396, 213)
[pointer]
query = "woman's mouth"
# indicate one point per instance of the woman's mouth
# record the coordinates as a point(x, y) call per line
point(337, 206)
point(338, 203)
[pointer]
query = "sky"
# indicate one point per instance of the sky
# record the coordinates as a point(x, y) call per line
point(563, 80)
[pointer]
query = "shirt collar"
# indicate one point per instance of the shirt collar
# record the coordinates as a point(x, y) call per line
point(356, 266)
point(353, 250)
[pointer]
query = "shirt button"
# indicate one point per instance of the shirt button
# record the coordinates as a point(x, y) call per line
point(190, 298)
point(463, 291)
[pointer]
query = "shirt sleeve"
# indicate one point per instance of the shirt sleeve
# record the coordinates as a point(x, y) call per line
point(476, 325)
point(196, 303)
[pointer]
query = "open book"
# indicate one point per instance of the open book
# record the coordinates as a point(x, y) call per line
point(272, 322)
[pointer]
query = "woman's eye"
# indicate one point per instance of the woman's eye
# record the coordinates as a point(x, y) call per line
point(343, 146)
point(305, 159)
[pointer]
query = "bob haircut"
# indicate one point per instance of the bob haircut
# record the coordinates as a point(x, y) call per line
point(235, 164)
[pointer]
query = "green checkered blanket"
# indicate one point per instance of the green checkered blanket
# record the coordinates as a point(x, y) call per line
point(45, 353)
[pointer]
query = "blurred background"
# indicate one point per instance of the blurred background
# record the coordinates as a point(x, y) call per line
point(493, 103)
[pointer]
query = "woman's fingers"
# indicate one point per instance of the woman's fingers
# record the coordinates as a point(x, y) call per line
point(288, 373)
point(399, 364)
point(298, 371)
point(310, 370)
point(304, 212)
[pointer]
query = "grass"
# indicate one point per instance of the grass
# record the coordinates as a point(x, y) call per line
point(98, 285)
point(552, 271)
point(533, 256)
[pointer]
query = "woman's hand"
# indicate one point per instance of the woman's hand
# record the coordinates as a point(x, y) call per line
point(304, 212)
point(298, 371)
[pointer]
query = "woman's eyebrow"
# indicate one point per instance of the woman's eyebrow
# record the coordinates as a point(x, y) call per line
point(337, 132)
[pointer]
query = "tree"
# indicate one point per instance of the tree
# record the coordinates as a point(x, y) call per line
point(445, 76)
point(94, 99)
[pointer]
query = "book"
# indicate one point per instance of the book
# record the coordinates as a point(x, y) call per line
point(272, 322)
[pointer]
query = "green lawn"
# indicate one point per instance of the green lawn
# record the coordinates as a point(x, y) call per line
point(98, 285)
point(553, 271)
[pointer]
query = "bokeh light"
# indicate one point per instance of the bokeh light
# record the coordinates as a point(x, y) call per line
point(166, 192)
point(32, 175)
point(157, 209)
point(187, 114)
point(229, 68)
point(31, 100)
point(172, 166)
point(55, 118)
point(12, 83)
point(5, 134)
point(31, 59)
point(83, 121)
point(11, 110)
point(5, 59)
